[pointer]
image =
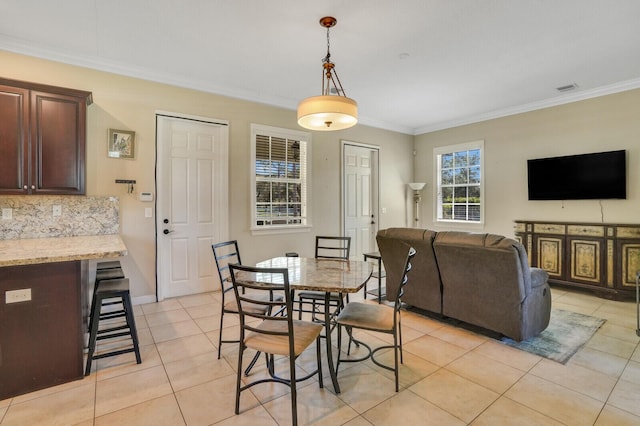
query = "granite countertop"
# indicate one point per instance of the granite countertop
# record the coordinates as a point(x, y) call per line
point(61, 249)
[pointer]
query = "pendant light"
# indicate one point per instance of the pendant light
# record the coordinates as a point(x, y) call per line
point(332, 110)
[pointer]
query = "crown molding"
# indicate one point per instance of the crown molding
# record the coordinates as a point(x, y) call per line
point(622, 86)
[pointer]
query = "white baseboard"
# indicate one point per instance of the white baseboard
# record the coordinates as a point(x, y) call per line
point(141, 300)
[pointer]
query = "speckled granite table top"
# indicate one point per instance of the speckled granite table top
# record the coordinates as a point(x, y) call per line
point(321, 274)
point(62, 249)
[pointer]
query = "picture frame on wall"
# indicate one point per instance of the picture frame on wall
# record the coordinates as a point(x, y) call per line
point(121, 144)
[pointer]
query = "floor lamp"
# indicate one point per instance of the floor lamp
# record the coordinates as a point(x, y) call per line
point(416, 187)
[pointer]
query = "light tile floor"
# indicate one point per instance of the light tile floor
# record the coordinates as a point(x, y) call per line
point(450, 376)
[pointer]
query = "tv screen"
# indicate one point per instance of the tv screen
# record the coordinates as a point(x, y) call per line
point(600, 175)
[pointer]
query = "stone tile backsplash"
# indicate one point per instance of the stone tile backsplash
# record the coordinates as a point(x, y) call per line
point(33, 216)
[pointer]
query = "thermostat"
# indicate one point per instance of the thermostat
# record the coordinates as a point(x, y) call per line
point(146, 196)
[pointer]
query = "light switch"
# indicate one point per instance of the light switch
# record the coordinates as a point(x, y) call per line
point(7, 214)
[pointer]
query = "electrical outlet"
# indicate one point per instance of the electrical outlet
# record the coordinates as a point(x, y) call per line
point(7, 214)
point(15, 296)
point(57, 210)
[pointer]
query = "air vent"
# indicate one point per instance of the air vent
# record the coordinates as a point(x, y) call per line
point(567, 88)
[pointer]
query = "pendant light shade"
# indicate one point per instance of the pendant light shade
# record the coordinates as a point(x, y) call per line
point(328, 111)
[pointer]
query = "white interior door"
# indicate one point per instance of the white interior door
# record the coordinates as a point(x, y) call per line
point(360, 204)
point(192, 182)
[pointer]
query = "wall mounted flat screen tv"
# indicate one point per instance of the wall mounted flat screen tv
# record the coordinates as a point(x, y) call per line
point(601, 175)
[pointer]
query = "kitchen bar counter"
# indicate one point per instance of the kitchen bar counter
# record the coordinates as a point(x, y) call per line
point(62, 249)
point(44, 299)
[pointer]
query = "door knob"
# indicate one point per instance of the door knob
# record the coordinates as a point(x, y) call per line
point(165, 221)
point(166, 231)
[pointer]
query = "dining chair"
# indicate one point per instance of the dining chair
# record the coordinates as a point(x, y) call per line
point(376, 317)
point(274, 334)
point(226, 253)
point(327, 247)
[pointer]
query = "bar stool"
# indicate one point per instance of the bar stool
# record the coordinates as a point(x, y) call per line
point(112, 289)
point(111, 273)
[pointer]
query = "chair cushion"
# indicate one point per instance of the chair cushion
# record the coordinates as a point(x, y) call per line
point(231, 305)
point(367, 316)
point(304, 332)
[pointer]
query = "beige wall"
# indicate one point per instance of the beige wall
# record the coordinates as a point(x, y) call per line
point(605, 123)
point(601, 124)
point(131, 104)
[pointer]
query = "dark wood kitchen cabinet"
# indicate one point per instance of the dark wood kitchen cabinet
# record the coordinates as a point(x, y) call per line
point(42, 138)
point(41, 339)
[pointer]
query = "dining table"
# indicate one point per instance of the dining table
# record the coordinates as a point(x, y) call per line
point(328, 276)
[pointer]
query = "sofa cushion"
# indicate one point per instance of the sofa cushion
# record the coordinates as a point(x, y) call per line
point(424, 287)
point(484, 279)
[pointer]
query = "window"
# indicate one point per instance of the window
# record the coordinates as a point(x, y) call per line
point(280, 179)
point(459, 183)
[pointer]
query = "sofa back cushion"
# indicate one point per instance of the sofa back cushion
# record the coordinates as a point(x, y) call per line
point(424, 288)
point(485, 277)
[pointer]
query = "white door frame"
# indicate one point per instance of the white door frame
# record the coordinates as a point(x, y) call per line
point(223, 194)
point(375, 188)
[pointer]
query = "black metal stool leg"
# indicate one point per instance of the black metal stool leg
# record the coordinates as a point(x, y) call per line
point(112, 289)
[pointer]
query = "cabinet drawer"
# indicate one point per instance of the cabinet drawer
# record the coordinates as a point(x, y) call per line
point(628, 232)
point(520, 227)
point(549, 228)
point(586, 230)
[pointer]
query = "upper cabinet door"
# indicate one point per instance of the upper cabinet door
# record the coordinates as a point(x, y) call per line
point(14, 140)
point(42, 138)
point(57, 143)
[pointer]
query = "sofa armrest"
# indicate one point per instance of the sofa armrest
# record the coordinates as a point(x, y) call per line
point(539, 277)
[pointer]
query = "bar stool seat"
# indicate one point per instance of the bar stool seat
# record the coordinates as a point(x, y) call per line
point(111, 264)
point(112, 289)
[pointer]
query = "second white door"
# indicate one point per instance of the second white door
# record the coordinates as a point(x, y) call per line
point(360, 204)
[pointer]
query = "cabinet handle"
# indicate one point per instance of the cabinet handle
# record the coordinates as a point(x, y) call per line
point(25, 187)
point(33, 187)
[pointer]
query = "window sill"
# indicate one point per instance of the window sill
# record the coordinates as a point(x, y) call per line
point(273, 230)
point(451, 225)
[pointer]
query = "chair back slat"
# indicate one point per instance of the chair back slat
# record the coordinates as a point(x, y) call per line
point(225, 253)
point(329, 247)
point(255, 287)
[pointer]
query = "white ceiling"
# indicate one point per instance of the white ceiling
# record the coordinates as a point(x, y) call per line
point(412, 65)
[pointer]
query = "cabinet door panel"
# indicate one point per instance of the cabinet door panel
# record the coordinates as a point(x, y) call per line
point(58, 143)
point(549, 255)
point(586, 260)
point(14, 139)
point(629, 258)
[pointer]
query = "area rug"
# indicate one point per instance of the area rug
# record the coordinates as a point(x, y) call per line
point(566, 334)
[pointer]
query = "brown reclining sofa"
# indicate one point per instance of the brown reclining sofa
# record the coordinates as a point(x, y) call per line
point(480, 279)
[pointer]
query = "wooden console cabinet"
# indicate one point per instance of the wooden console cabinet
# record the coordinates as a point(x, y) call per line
point(602, 257)
point(43, 138)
